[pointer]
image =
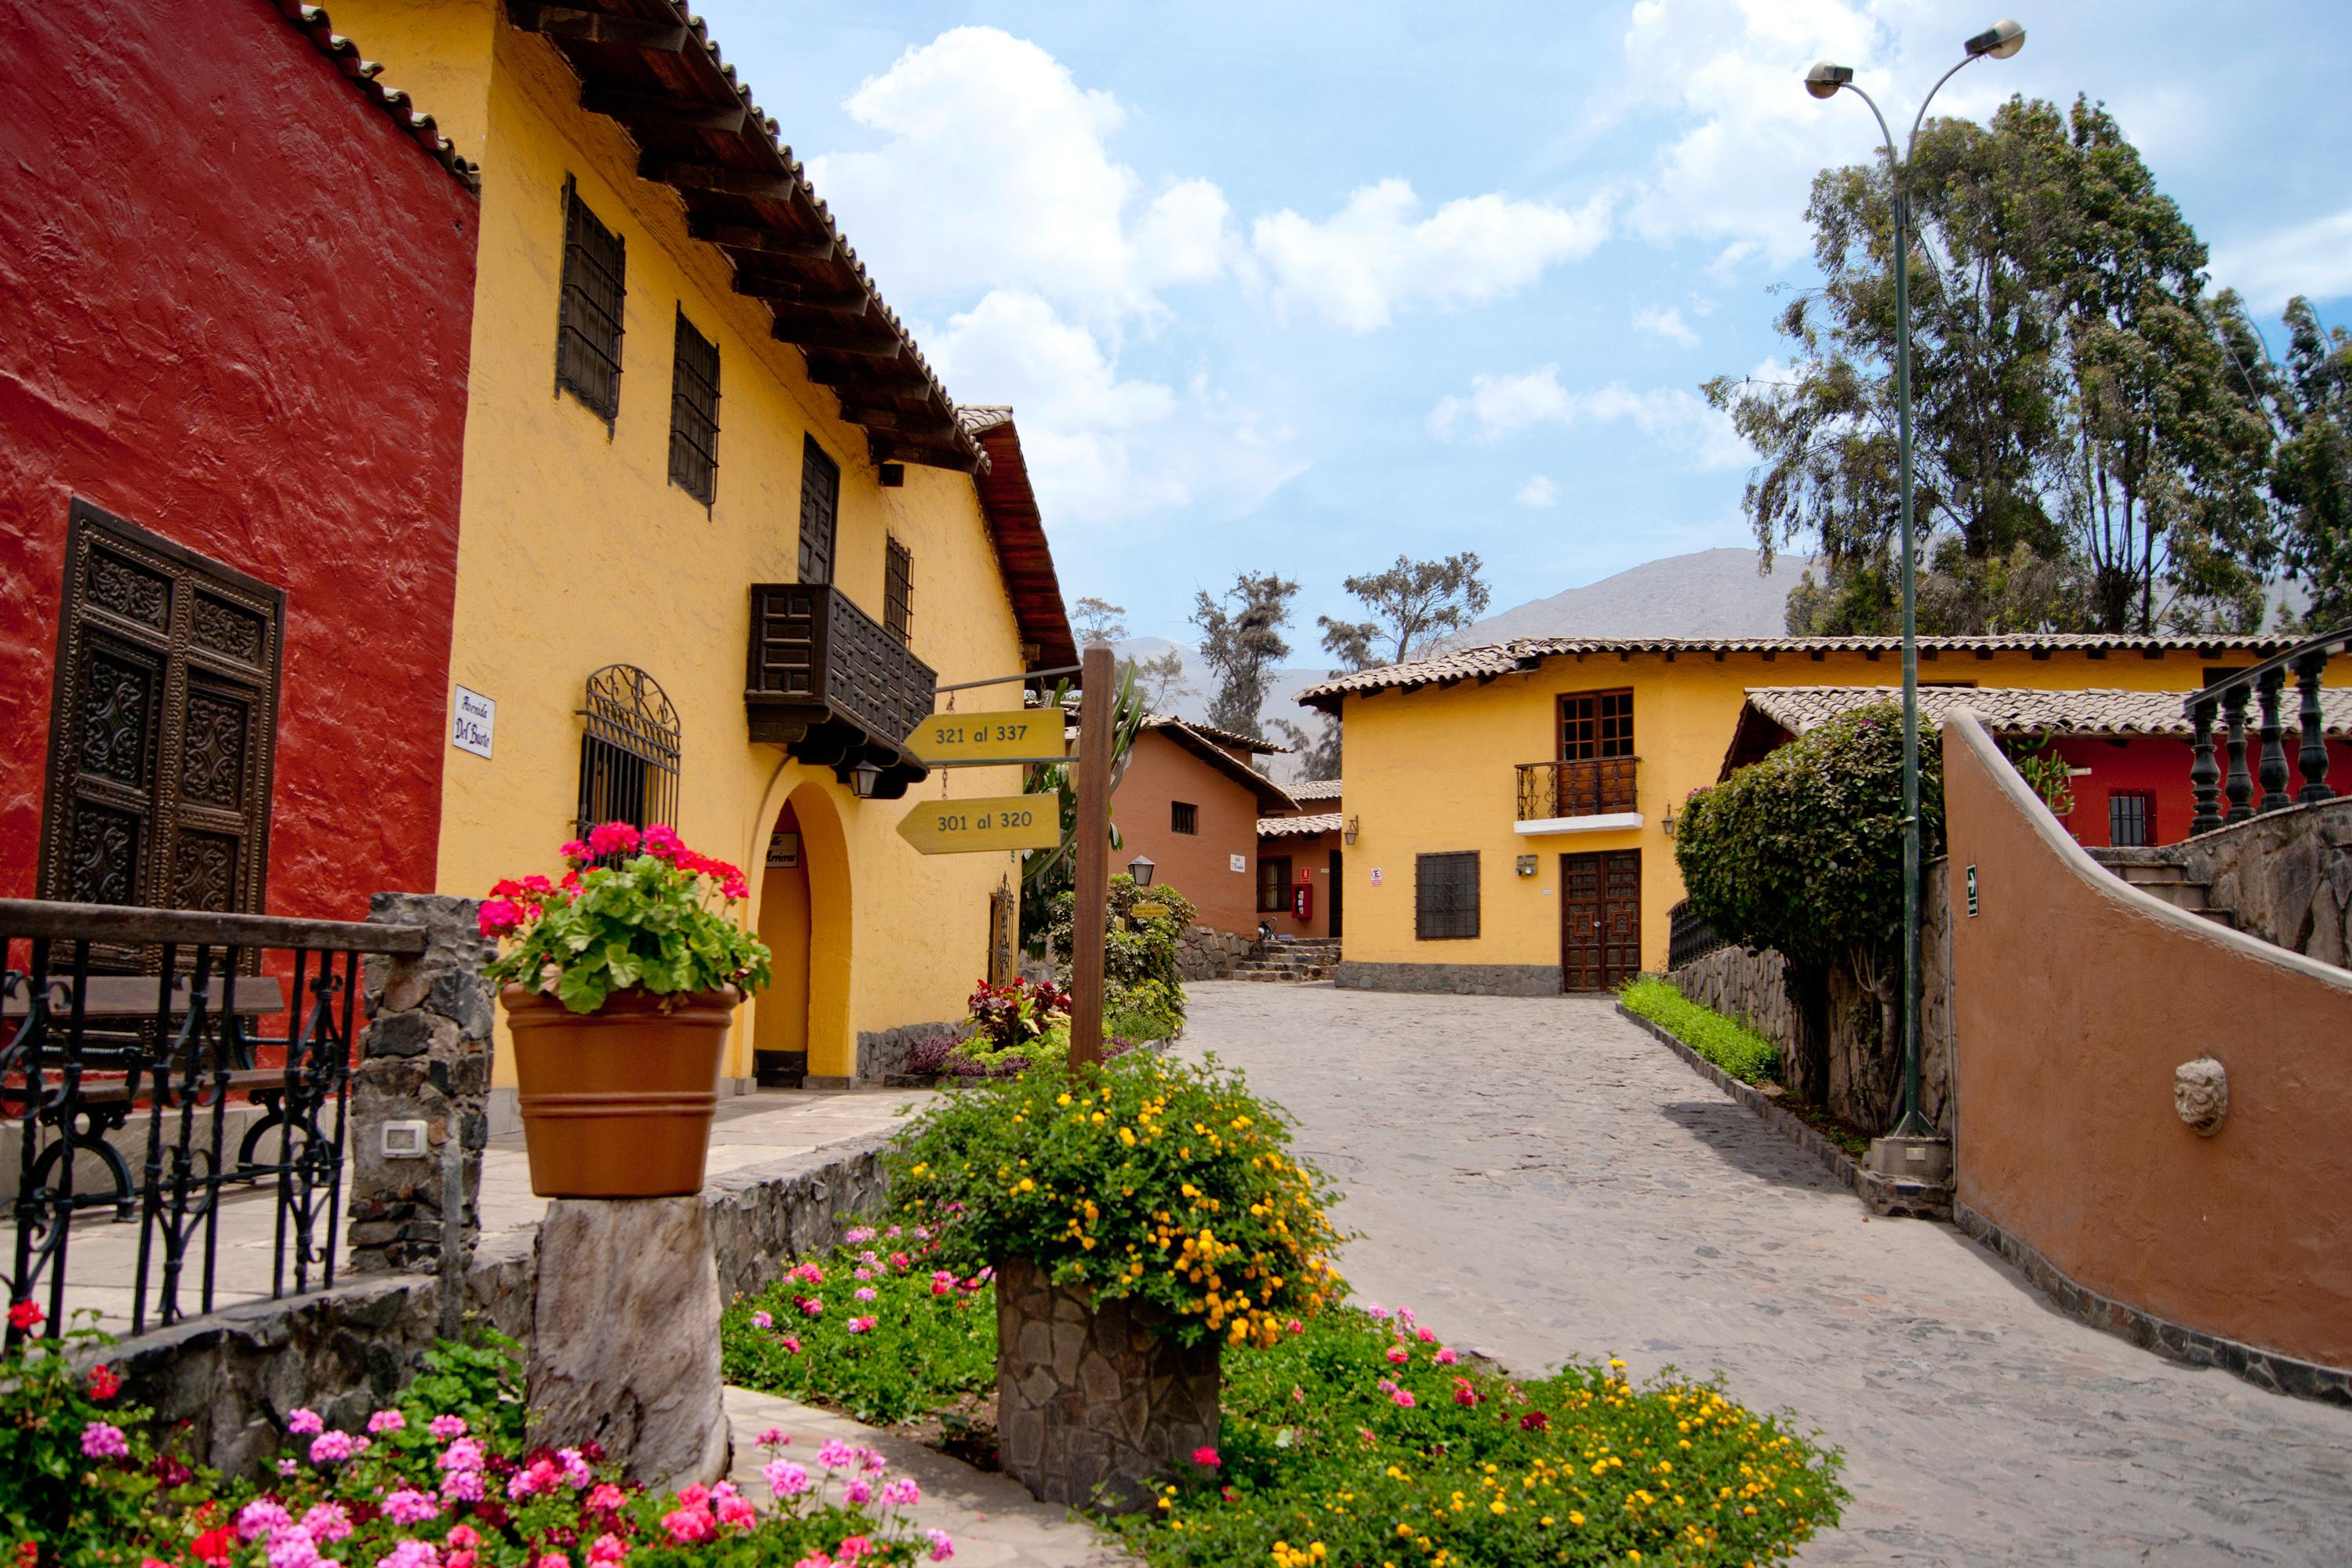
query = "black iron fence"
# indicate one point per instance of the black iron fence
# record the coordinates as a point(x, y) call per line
point(134, 1039)
point(1688, 938)
point(2263, 685)
point(1593, 788)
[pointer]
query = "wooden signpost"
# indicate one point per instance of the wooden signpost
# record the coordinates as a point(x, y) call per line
point(1092, 902)
point(996, 821)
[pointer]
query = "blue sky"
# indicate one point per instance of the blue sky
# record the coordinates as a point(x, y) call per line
point(1300, 287)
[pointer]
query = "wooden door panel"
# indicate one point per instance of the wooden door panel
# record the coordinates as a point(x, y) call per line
point(1600, 919)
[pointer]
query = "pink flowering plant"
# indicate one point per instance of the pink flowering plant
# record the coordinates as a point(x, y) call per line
point(633, 910)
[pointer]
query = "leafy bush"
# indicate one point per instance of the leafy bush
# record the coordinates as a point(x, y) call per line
point(876, 1329)
point(1727, 1042)
point(1014, 1015)
point(1139, 946)
point(1146, 1178)
point(1146, 1010)
point(658, 920)
point(76, 1466)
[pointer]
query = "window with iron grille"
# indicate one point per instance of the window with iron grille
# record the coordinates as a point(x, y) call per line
point(693, 414)
point(820, 500)
point(1183, 817)
point(1596, 724)
point(1274, 884)
point(588, 321)
point(2131, 817)
point(628, 750)
point(898, 589)
point(1445, 895)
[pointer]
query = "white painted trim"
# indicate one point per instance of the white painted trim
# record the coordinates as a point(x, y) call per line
point(1608, 822)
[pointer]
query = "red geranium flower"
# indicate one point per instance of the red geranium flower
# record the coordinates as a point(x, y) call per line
point(26, 1317)
point(104, 1384)
point(214, 1546)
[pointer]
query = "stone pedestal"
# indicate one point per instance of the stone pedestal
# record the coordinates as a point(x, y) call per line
point(1096, 1407)
point(625, 1337)
point(1926, 1161)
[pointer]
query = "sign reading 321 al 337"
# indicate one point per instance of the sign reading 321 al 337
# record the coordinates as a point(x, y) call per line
point(991, 822)
point(988, 737)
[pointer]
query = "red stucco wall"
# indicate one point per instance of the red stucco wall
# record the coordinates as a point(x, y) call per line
point(234, 305)
point(1311, 862)
point(2160, 765)
point(1197, 865)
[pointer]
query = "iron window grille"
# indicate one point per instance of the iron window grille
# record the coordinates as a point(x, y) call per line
point(1183, 817)
point(162, 729)
point(1445, 895)
point(1274, 884)
point(588, 322)
point(693, 414)
point(2131, 817)
point(898, 589)
point(820, 502)
point(1594, 725)
point(628, 750)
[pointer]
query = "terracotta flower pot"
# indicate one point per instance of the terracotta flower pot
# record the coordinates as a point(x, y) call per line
point(617, 1103)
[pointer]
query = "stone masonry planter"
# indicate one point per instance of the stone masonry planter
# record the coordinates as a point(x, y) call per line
point(1096, 1407)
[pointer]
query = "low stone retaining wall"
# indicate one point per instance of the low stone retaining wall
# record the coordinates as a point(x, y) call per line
point(1881, 1195)
point(1455, 979)
point(2284, 877)
point(1203, 952)
point(882, 1052)
point(232, 1375)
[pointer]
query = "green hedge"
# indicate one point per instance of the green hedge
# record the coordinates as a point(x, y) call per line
point(1727, 1042)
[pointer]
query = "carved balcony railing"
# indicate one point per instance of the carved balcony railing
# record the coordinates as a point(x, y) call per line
point(2262, 684)
point(1597, 787)
point(139, 1100)
point(834, 686)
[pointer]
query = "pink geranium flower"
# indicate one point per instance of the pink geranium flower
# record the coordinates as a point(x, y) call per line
point(304, 1423)
point(102, 1441)
point(611, 838)
point(862, 1325)
point(1206, 1457)
point(942, 1545)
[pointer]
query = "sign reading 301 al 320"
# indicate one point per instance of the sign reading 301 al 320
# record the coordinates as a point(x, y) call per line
point(990, 822)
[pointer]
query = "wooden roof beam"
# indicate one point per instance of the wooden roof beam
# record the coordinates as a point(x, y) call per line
point(723, 178)
point(923, 425)
point(880, 378)
point(805, 296)
point(841, 336)
point(664, 108)
point(596, 27)
point(761, 241)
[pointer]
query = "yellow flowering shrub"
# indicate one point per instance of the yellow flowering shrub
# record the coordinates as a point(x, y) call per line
point(1146, 1178)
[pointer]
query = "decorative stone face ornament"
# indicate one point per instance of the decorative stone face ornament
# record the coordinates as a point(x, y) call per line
point(2200, 1093)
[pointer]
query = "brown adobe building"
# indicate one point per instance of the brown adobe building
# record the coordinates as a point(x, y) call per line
point(1191, 800)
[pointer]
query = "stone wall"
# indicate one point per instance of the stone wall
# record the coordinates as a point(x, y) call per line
point(1865, 1075)
point(1205, 953)
point(881, 1052)
point(2285, 877)
point(1457, 979)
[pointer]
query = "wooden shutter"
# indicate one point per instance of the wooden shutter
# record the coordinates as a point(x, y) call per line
point(588, 317)
point(820, 501)
point(163, 725)
point(693, 414)
point(898, 589)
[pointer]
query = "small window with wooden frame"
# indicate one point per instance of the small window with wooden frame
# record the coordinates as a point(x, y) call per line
point(693, 414)
point(2131, 817)
point(1183, 817)
point(898, 589)
point(1595, 724)
point(1274, 884)
point(820, 506)
point(588, 317)
point(1445, 895)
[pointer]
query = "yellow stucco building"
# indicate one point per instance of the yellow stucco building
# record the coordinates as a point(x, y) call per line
point(1508, 805)
point(721, 529)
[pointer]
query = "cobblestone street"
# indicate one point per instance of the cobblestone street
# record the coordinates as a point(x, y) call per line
point(1540, 1180)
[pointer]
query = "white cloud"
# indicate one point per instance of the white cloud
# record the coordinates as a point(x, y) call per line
point(1101, 450)
point(1538, 491)
point(1501, 406)
point(996, 172)
point(2312, 259)
point(1375, 255)
point(1667, 323)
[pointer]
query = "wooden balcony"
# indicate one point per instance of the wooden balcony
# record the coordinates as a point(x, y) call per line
point(833, 686)
point(1569, 797)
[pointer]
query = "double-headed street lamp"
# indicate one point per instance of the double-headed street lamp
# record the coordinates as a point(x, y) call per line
point(1999, 41)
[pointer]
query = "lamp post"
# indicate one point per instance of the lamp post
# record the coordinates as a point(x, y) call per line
point(1140, 868)
point(1999, 41)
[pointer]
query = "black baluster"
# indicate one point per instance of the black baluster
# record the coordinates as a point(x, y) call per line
point(2273, 756)
point(2204, 774)
point(2239, 787)
point(2313, 758)
point(159, 1095)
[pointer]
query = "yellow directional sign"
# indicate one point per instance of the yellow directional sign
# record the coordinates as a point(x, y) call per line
point(1020, 735)
point(993, 822)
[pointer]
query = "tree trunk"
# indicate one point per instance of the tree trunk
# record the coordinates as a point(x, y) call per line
point(1806, 1067)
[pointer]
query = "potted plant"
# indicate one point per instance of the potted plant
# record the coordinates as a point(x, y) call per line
point(619, 982)
point(1141, 1217)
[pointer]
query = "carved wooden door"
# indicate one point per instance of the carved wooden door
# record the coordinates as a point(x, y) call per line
point(1600, 919)
point(164, 718)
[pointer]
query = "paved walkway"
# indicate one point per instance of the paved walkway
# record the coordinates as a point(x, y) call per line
point(1545, 1181)
point(101, 1256)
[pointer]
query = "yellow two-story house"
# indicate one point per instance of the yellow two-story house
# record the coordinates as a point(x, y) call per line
point(723, 534)
point(1511, 808)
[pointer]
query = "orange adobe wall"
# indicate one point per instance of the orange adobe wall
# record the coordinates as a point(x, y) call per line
point(2074, 998)
point(1197, 865)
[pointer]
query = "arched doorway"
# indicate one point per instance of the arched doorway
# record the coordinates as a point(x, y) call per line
point(780, 1023)
point(800, 1028)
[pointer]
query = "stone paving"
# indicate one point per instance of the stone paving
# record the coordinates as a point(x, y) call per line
point(1544, 1181)
point(749, 1129)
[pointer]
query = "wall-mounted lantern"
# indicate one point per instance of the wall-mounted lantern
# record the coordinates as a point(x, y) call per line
point(1669, 821)
point(864, 779)
point(1526, 866)
point(1348, 834)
